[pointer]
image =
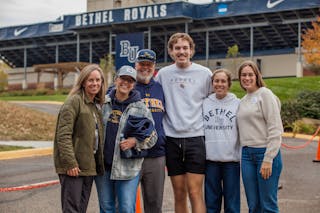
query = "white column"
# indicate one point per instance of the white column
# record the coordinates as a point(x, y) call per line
point(299, 69)
point(55, 82)
point(76, 75)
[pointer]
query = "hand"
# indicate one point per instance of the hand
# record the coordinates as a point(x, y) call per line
point(266, 170)
point(74, 171)
point(127, 143)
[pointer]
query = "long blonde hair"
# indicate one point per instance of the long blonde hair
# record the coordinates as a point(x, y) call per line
point(84, 74)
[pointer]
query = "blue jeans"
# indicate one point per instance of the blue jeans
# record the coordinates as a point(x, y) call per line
point(262, 195)
point(121, 191)
point(222, 180)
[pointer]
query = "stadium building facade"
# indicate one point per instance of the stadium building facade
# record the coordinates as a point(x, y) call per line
point(267, 31)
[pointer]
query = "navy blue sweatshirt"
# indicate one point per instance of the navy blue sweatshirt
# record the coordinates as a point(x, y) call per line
point(113, 123)
point(153, 97)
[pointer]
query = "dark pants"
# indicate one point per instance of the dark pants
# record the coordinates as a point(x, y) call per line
point(222, 181)
point(75, 193)
point(152, 182)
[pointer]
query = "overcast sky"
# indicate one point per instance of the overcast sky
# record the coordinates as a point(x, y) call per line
point(20, 12)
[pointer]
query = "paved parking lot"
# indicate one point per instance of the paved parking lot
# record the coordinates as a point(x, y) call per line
point(300, 181)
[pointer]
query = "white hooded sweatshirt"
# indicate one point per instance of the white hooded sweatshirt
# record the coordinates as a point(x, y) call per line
point(220, 128)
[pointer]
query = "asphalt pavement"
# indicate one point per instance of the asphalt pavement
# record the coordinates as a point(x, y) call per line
point(300, 179)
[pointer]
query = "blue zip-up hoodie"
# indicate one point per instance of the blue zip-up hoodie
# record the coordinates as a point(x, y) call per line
point(152, 95)
point(113, 123)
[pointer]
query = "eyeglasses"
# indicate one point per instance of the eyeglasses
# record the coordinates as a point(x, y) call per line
point(247, 74)
point(127, 79)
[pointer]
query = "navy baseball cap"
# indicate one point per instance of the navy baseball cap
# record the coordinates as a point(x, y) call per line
point(146, 55)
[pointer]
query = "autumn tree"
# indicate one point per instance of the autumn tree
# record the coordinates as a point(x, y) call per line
point(311, 45)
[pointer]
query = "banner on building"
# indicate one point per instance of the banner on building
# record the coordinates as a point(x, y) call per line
point(127, 46)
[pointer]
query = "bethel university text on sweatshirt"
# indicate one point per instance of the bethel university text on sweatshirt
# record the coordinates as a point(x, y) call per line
point(220, 128)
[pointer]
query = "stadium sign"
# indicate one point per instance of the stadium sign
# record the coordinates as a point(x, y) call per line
point(156, 12)
point(127, 46)
point(123, 15)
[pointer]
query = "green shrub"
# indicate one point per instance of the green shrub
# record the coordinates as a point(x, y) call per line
point(306, 104)
point(301, 127)
point(289, 114)
point(309, 104)
point(35, 92)
point(62, 91)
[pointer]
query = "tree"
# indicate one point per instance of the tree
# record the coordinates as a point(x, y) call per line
point(233, 53)
point(107, 66)
point(3, 76)
point(311, 44)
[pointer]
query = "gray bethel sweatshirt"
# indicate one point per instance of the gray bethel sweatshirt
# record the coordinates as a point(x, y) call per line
point(184, 91)
point(220, 128)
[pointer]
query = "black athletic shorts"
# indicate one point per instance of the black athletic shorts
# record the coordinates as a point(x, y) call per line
point(185, 155)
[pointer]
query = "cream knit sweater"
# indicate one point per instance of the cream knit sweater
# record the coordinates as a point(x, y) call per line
point(259, 122)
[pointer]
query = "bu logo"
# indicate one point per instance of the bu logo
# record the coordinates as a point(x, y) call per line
point(128, 51)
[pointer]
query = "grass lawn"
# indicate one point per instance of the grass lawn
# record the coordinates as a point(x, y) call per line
point(284, 88)
point(4, 148)
point(60, 98)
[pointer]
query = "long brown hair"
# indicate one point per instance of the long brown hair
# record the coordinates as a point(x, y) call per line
point(84, 74)
point(259, 80)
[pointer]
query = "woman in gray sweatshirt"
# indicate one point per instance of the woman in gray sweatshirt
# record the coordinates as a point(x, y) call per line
point(222, 177)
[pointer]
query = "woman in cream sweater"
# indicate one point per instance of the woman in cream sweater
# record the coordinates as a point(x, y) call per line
point(260, 130)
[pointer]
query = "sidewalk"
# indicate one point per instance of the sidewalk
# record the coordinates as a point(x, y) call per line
point(34, 144)
point(39, 148)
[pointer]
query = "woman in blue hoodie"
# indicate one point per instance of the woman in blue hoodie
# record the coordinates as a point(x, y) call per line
point(121, 177)
point(222, 177)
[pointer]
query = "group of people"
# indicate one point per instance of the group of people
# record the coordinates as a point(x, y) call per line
point(184, 119)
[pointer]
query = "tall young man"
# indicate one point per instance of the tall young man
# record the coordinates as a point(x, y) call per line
point(185, 85)
point(153, 167)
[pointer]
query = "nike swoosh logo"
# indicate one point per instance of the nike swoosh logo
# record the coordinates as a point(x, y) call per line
point(18, 32)
point(273, 4)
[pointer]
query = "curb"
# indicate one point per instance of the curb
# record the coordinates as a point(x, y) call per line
point(299, 136)
point(23, 153)
point(30, 186)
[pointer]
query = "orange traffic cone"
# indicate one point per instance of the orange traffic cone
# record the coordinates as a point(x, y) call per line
point(138, 201)
point(318, 153)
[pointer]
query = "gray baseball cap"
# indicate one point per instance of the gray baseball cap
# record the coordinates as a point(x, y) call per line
point(129, 71)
